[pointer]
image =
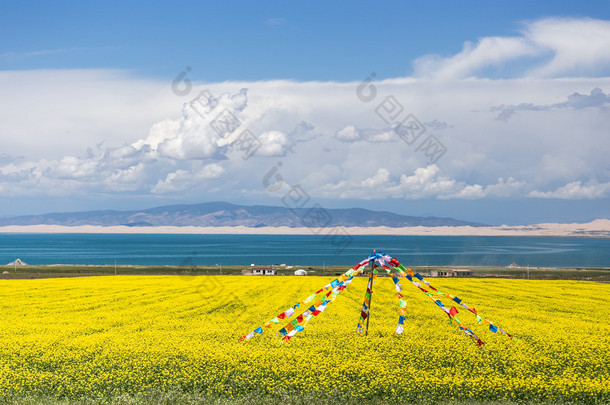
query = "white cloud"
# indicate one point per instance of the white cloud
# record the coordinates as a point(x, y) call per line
point(273, 143)
point(203, 130)
point(576, 190)
point(348, 134)
point(566, 46)
point(125, 180)
point(380, 179)
point(71, 167)
point(185, 179)
point(372, 135)
point(505, 188)
point(478, 149)
point(579, 45)
point(55, 113)
point(488, 51)
point(190, 145)
point(470, 192)
point(328, 140)
point(424, 183)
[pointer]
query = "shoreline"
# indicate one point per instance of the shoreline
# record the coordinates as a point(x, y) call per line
point(190, 273)
point(289, 268)
point(599, 228)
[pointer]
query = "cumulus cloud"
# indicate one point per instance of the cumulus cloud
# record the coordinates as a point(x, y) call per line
point(71, 167)
point(380, 179)
point(329, 140)
point(348, 134)
point(424, 182)
point(277, 143)
point(128, 179)
point(183, 179)
point(372, 135)
point(202, 131)
point(208, 129)
point(105, 169)
point(338, 160)
point(503, 188)
point(576, 190)
point(469, 192)
point(273, 143)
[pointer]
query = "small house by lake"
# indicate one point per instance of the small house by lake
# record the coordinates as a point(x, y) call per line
point(451, 273)
point(264, 272)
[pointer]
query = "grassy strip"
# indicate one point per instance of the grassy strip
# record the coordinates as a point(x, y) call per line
point(534, 273)
point(175, 398)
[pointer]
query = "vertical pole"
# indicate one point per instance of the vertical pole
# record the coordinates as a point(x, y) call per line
point(366, 333)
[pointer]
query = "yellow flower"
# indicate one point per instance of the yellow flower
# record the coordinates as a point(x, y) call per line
point(107, 336)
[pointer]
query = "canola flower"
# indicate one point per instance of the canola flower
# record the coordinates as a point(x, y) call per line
point(316, 303)
point(105, 336)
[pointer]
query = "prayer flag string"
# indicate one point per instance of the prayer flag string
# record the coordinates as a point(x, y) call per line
point(317, 302)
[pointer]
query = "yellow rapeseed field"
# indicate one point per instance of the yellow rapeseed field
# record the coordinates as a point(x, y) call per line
point(106, 336)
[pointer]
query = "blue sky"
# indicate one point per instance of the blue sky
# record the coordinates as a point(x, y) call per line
point(241, 40)
point(515, 92)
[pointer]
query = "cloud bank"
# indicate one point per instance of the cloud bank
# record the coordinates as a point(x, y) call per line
point(539, 131)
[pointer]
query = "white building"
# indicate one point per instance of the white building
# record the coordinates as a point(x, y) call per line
point(264, 272)
point(451, 273)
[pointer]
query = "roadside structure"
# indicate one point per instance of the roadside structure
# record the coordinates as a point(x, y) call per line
point(451, 273)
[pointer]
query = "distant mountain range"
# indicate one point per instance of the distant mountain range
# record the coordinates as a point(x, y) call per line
point(215, 214)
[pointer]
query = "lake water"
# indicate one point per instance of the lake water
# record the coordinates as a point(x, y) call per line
point(300, 250)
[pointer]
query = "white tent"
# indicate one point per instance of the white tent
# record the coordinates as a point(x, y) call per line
point(300, 272)
point(17, 262)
